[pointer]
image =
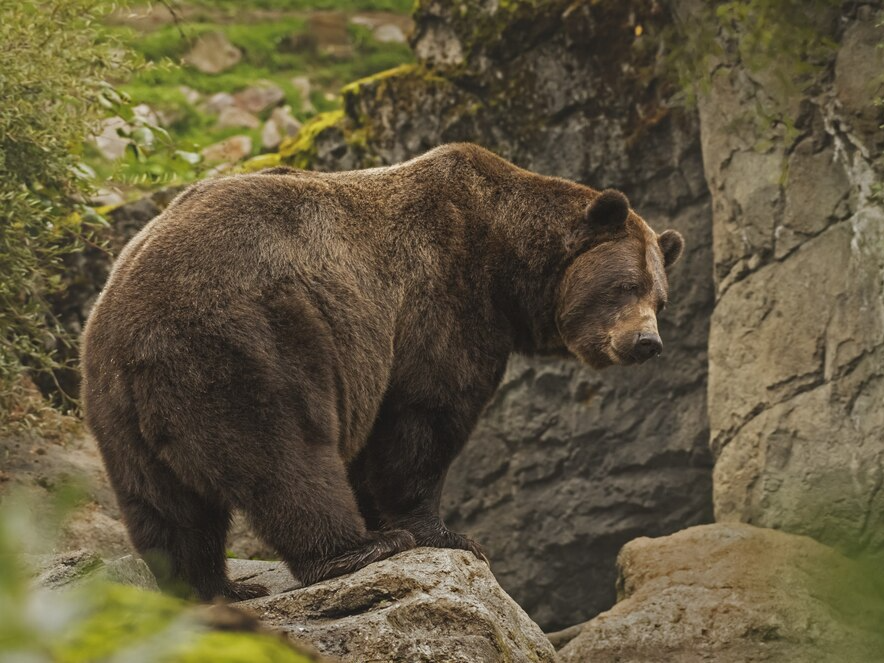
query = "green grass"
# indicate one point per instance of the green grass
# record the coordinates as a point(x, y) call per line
point(396, 6)
point(265, 57)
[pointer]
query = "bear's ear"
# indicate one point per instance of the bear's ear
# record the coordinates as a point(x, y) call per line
point(609, 210)
point(671, 244)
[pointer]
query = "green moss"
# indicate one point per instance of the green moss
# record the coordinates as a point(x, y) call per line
point(252, 165)
point(126, 623)
point(300, 151)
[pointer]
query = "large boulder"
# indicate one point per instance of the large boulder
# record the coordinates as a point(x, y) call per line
point(423, 605)
point(732, 593)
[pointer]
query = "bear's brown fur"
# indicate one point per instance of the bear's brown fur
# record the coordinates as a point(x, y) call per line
point(314, 349)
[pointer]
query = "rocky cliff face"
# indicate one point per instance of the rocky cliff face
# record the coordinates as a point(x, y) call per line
point(796, 350)
point(567, 465)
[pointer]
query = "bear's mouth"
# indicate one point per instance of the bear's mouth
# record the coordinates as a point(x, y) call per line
point(617, 357)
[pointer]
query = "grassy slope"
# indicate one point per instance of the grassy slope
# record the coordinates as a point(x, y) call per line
point(263, 58)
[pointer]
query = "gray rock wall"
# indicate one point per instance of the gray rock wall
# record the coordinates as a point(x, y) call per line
point(796, 349)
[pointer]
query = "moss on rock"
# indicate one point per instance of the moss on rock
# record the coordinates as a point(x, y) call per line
point(120, 622)
point(300, 151)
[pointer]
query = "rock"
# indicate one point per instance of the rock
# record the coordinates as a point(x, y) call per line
point(327, 34)
point(93, 526)
point(110, 144)
point(389, 33)
point(213, 53)
point(858, 68)
point(233, 116)
point(107, 196)
point(275, 576)
point(303, 87)
point(421, 605)
point(280, 125)
point(145, 114)
point(191, 96)
point(260, 97)
point(285, 121)
point(228, 151)
point(732, 593)
point(74, 568)
point(796, 362)
point(270, 135)
point(219, 101)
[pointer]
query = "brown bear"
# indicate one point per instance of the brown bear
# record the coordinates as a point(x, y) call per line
point(315, 348)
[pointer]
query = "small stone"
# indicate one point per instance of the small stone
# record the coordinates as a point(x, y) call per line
point(260, 97)
point(303, 88)
point(233, 116)
point(228, 151)
point(107, 197)
point(146, 114)
point(110, 144)
point(389, 34)
point(270, 135)
point(285, 121)
point(213, 53)
point(190, 95)
point(219, 101)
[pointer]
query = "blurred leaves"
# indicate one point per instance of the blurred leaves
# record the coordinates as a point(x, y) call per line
point(96, 620)
point(54, 66)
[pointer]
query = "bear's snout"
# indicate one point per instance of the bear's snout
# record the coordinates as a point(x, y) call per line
point(647, 345)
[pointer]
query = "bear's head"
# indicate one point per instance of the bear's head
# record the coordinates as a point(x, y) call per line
point(613, 290)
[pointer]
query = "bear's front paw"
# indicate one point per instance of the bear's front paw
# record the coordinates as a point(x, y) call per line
point(378, 546)
point(445, 538)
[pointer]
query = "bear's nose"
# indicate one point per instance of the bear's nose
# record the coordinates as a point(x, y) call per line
point(647, 345)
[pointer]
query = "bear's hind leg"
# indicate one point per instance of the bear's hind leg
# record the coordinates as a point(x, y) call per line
point(183, 542)
point(308, 513)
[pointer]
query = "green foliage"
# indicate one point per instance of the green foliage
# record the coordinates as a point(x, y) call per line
point(397, 6)
point(102, 621)
point(53, 73)
point(785, 41)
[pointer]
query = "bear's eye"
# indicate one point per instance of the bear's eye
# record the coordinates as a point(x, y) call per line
point(629, 287)
point(661, 307)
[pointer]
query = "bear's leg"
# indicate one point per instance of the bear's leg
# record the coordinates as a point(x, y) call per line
point(307, 511)
point(357, 476)
point(182, 538)
point(406, 461)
